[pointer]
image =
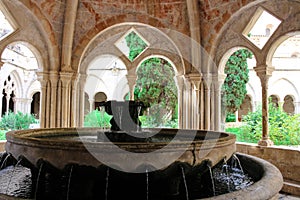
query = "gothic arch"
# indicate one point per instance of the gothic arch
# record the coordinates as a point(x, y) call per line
point(231, 33)
point(36, 31)
point(226, 56)
point(103, 26)
point(278, 42)
point(32, 48)
point(290, 88)
point(110, 35)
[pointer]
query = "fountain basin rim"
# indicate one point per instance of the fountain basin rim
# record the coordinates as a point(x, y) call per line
point(48, 138)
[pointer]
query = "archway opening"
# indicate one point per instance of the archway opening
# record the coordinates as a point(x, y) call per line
point(155, 86)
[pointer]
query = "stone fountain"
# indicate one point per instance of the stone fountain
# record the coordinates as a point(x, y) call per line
point(127, 162)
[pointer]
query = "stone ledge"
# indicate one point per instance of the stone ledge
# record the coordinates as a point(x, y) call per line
point(286, 159)
point(291, 187)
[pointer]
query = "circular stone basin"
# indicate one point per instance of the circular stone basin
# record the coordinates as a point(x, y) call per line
point(74, 149)
point(84, 146)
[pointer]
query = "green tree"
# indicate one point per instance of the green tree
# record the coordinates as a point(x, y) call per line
point(156, 87)
point(135, 44)
point(234, 88)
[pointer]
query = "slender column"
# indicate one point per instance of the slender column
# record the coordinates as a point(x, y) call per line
point(65, 78)
point(131, 83)
point(187, 103)
point(22, 104)
point(43, 79)
point(53, 76)
point(92, 103)
point(180, 84)
point(196, 81)
point(207, 102)
point(68, 34)
point(264, 72)
point(212, 108)
point(218, 82)
point(79, 100)
point(194, 21)
point(7, 103)
point(202, 110)
point(58, 103)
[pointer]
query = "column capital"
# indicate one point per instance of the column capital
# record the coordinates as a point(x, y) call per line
point(65, 77)
point(195, 79)
point(264, 72)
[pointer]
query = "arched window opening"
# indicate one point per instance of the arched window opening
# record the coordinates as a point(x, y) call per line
point(8, 92)
point(245, 107)
point(155, 86)
point(99, 97)
point(274, 100)
point(35, 105)
point(288, 105)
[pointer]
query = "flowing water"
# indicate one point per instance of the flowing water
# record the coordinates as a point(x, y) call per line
point(17, 180)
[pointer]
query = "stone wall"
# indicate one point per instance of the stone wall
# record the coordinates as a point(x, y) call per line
point(285, 159)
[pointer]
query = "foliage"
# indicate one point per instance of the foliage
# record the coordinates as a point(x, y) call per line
point(284, 129)
point(230, 117)
point(2, 134)
point(156, 87)
point(135, 44)
point(97, 118)
point(234, 87)
point(17, 121)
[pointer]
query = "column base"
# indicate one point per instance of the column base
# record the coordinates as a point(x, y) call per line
point(266, 142)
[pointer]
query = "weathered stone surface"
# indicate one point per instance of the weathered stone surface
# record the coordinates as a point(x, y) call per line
point(285, 159)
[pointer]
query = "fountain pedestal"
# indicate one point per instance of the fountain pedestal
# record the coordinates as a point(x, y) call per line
point(125, 114)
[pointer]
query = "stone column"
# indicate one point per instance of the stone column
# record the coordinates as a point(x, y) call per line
point(53, 78)
point(207, 101)
point(131, 83)
point(187, 112)
point(92, 103)
point(78, 100)
point(43, 79)
point(22, 105)
point(68, 34)
point(65, 78)
point(180, 84)
point(196, 82)
point(218, 82)
point(264, 73)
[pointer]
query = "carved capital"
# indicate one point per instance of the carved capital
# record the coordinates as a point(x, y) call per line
point(264, 72)
point(65, 78)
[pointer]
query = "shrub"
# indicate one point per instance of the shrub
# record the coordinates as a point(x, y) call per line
point(97, 119)
point(284, 129)
point(230, 117)
point(17, 121)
